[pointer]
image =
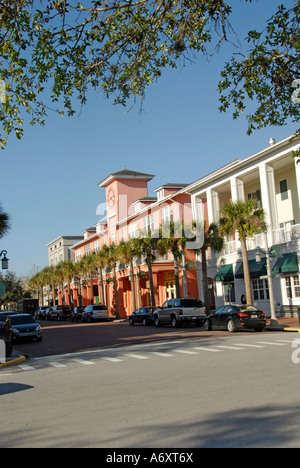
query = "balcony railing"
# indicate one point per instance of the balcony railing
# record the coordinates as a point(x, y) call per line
point(286, 235)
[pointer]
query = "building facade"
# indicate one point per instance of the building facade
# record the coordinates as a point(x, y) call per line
point(60, 249)
point(130, 211)
point(272, 177)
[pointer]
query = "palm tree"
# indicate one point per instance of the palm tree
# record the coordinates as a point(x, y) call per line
point(148, 245)
point(247, 220)
point(213, 239)
point(100, 263)
point(127, 251)
point(90, 266)
point(4, 222)
point(112, 257)
point(175, 240)
point(69, 272)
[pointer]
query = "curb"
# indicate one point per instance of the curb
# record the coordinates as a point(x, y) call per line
point(16, 360)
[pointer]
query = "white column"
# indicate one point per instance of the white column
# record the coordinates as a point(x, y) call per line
point(212, 206)
point(237, 190)
point(297, 166)
point(268, 196)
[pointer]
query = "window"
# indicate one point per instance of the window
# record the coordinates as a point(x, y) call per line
point(229, 292)
point(292, 285)
point(87, 250)
point(284, 190)
point(132, 230)
point(149, 223)
point(160, 194)
point(260, 290)
point(256, 196)
point(167, 214)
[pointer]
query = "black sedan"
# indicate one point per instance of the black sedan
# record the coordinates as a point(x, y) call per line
point(144, 315)
point(236, 317)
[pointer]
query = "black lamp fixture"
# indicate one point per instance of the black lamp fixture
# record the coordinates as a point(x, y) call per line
point(4, 260)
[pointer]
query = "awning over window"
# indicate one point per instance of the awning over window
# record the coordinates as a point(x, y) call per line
point(257, 270)
point(287, 264)
point(225, 274)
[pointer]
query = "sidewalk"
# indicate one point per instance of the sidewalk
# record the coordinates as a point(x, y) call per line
point(14, 359)
point(285, 324)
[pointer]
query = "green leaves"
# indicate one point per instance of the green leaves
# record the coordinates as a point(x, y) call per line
point(266, 74)
point(57, 52)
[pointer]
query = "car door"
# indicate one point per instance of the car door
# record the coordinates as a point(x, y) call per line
point(218, 317)
point(165, 312)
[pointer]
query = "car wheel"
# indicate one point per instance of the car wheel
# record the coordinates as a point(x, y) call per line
point(174, 322)
point(145, 323)
point(208, 325)
point(231, 326)
point(258, 330)
point(131, 322)
point(156, 322)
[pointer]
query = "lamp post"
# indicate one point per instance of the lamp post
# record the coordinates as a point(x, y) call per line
point(4, 260)
point(274, 321)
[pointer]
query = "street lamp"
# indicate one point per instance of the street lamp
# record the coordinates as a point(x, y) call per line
point(259, 251)
point(4, 260)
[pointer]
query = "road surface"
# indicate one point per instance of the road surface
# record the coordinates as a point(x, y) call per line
point(233, 391)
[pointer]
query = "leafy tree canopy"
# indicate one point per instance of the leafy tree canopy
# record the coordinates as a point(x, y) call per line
point(52, 52)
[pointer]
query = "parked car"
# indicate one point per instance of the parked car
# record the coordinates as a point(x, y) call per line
point(24, 326)
point(180, 311)
point(46, 313)
point(40, 312)
point(143, 315)
point(95, 312)
point(236, 317)
point(60, 312)
point(76, 315)
point(5, 314)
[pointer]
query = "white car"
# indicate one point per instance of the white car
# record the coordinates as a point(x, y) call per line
point(95, 312)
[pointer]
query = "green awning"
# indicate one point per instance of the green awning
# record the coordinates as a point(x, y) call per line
point(225, 274)
point(257, 270)
point(288, 263)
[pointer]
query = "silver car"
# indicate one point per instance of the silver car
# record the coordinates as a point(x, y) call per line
point(95, 312)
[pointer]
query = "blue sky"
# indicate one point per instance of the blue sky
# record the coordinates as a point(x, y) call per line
point(49, 178)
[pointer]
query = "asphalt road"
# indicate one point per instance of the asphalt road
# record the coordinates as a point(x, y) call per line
point(224, 391)
point(68, 337)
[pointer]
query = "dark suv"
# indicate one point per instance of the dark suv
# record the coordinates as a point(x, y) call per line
point(60, 312)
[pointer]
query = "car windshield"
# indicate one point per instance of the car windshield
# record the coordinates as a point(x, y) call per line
point(21, 320)
point(99, 307)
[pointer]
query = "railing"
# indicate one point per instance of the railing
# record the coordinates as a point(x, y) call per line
point(286, 234)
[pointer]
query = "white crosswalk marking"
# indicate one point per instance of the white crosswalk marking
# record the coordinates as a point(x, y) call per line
point(26, 367)
point(110, 359)
point(250, 345)
point(84, 362)
point(156, 353)
point(230, 347)
point(269, 343)
point(136, 356)
point(149, 351)
point(210, 350)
